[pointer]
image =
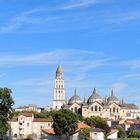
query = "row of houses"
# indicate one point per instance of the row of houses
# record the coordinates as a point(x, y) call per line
point(26, 125)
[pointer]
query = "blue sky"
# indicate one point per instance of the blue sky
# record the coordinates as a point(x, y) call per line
point(97, 42)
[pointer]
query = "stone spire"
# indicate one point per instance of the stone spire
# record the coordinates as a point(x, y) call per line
point(59, 72)
point(122, 102)
point(75, 92)
point(94, 91)
point(105, 100)
point(112, 92)
point(59, 69)
point(84, 100)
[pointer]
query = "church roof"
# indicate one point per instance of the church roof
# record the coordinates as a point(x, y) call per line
point(94, 96)
point(75, 98)
point(112, 97)
point(131, 106)
point(59, 69)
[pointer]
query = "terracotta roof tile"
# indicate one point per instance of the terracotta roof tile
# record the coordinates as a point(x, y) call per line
point(49, 131)
point(82, 125)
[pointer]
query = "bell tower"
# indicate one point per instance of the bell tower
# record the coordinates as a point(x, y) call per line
point(59, 91)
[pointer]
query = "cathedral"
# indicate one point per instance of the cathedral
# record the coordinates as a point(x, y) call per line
point(95, 105)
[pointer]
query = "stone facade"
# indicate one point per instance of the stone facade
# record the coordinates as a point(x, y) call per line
point(111, 107)
point(25, 125)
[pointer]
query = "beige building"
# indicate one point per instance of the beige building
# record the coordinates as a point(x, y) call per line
point(111, 107)
point(25, 125)
point(30, 107)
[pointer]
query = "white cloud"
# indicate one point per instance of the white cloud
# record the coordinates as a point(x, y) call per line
point(71, 56)
point(23, 18)
point(118, 87)
point(79, 3)
point(2, 75)
point(133, 75)
point(133, 63)
point(47, 21)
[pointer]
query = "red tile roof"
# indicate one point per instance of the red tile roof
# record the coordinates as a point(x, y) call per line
point(49, 131)
point(80, 125)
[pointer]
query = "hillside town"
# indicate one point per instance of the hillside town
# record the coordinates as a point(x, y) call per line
point(27, 123)
point(69, 69)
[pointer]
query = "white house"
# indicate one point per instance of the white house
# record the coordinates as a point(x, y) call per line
point(113, 134)
point(97, 134)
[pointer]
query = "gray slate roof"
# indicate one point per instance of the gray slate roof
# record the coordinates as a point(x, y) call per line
point(131, 106)
point(112, 97)
point(97, 130)
point(93, 96)
point(75, 98)
point(59, 69)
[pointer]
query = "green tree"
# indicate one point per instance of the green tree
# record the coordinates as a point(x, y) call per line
point(121, 133)
point(6, 111)
point(134, 134)
point(65, 122)
point(96, 121)
point(80, 117)
point(44, 114)
point(84, 133)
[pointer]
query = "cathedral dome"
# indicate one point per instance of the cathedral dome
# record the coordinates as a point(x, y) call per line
point(94, 97)
point(112, 98)
point(75, 99)
point(59, 69)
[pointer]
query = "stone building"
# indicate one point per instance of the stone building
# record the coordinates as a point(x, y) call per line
point(25, 124)
point(111, 107)
point(30, 107)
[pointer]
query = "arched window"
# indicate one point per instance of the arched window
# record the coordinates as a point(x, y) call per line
point(95, 107)
point(92, 108)
point(75, 109)
point(118, 117)
point(110, 109)
point(117, 110)
point(113, 109)
point(72, 109)
point(15, 135)
point(99, 108)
